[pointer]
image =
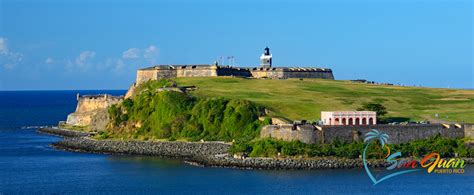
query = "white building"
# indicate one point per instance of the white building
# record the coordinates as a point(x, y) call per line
point(349, 117)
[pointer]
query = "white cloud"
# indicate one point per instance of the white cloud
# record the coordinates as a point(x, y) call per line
point(83, 62)
point(3, 46)
point(82, 59)
point(8, 59)
point(9, 66)
point(115, 64)
point(131, 53)
point(128, 61)
point(151, 53)
point(119, 66)
point(49, 60)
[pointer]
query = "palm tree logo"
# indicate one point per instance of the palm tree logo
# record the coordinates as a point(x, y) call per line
point(375, 134)
point(370, 137)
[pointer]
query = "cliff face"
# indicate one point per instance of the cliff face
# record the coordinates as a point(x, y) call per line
point(91, 111)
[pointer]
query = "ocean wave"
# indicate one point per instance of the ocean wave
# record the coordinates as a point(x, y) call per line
point(24, 127)
point(35, 126)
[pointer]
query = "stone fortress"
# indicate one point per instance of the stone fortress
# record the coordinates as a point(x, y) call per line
point(266, 70)
point(349, 126)
point(91, 111)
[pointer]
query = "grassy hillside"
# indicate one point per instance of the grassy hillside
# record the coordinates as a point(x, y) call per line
point(178, 116)
point(305, 99)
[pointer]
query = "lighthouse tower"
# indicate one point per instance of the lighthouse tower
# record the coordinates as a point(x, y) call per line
point(266, 59)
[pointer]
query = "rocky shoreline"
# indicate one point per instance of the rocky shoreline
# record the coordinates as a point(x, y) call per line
point(209, 154)
point(63, 132)
point(185, 150)
point(228, 161)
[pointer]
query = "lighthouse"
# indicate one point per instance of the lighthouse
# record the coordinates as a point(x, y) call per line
point(266, 59)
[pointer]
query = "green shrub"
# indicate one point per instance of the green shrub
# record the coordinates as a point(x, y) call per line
point(171, 114)
point(267, 147)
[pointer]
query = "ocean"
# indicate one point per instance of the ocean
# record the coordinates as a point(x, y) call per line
point(28, 164)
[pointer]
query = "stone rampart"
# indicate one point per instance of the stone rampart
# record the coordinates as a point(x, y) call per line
point(398, 133)
point(313, 73)
point(172, 71)
point(233, 71)
point(469, 130)
point(87, 103)
point(91, 111)
point(289, 132)
point(144, 75)
point(271, 73)
point(196, 71)
point(284, 73)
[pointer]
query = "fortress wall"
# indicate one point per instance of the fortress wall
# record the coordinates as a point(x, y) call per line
point(91, 111)
point(469, 130)
point(309, 74)
point(131, 91)
point(146, 75)
point(197, 72)
point(228, 71)
point(162, 74)
point(90, 103)
point(288, 132)
point(172, 71)
point(284, 74)
point(79, 119)
point(398, 133)
point(273, 74)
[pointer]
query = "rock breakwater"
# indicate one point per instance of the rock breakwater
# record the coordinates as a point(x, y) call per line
point(185, 150)
point(63, 132)
point(285, 163)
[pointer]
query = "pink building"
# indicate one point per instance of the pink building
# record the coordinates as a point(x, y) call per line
point(349, 117)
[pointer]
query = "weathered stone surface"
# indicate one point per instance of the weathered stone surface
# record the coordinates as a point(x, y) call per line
point(284, 163)
point(131, 91)
point(398, 133)
point(150, 148)
point(172, 71)
point(278, 121)
point(91, 111)
point(289, 132)
point(63, 132)
point(291, 163)
point(469, 130)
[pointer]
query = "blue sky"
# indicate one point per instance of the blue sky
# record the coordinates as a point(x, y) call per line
point(99, 45)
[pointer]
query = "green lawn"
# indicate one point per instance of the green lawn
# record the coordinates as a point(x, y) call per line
point(304, 99)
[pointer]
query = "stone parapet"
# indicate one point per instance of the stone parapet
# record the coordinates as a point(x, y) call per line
point(398, 133)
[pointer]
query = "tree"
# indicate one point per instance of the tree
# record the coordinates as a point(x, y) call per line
point(376, 107)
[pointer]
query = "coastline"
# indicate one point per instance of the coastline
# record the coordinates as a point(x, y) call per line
point(207, 154)
point(63, 132)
